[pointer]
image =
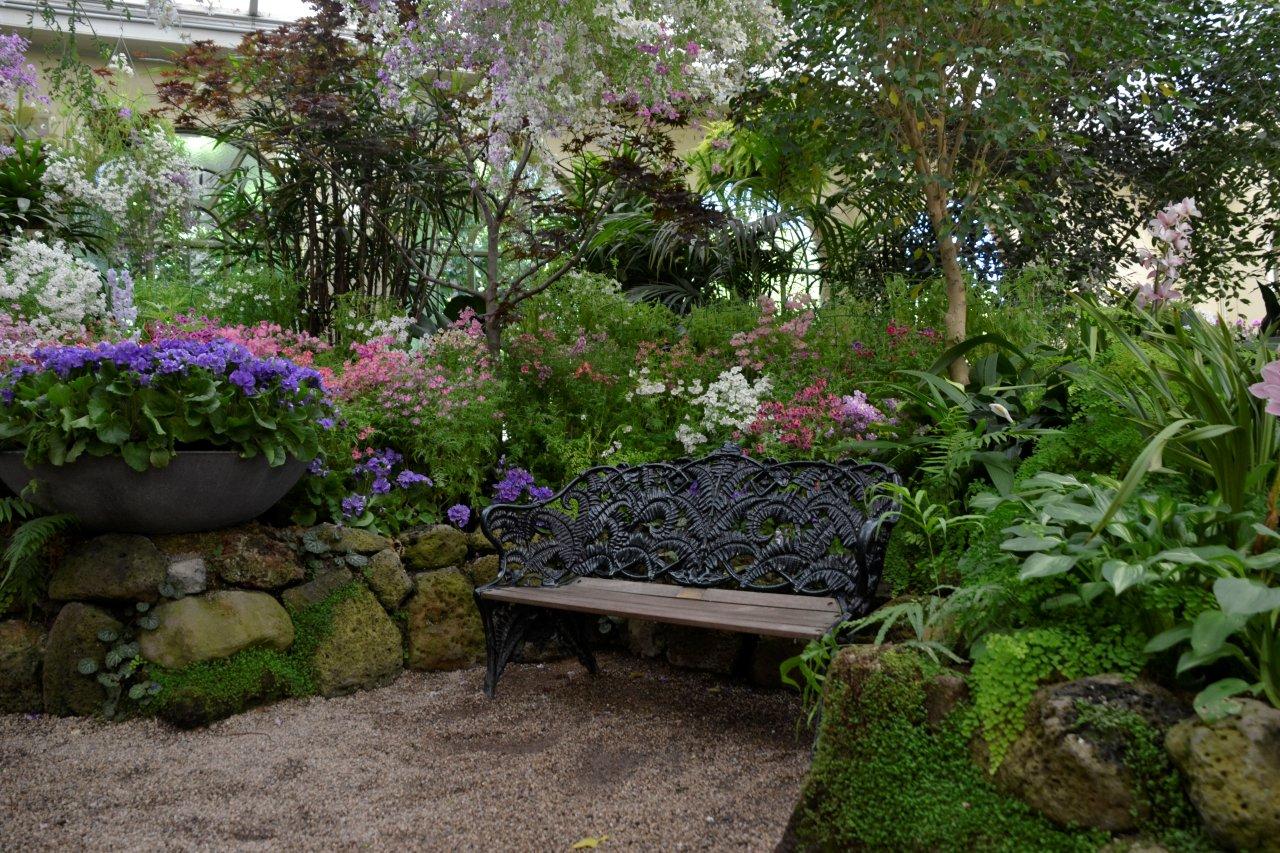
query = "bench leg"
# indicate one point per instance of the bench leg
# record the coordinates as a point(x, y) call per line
point(505, 628)
point(575, 630)
point(508, 626)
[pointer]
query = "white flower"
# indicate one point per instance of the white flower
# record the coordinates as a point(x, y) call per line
point(1000, 410)
point(44, 285)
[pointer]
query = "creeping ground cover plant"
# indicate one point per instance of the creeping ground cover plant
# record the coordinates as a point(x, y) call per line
point(144, 401)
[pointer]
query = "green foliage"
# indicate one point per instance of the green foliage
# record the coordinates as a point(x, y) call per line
point(30, 535)
point(882, 779)
point(1193, 404)
point(235, 295)
point(925, 541)
point(1009, 668)
point(109, 409)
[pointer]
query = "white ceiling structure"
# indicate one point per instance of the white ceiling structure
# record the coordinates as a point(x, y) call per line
point(223, 22)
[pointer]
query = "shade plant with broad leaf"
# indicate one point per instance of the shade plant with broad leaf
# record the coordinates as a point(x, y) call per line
point(146, 401)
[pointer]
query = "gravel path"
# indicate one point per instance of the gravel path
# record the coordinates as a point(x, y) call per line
point(653, 757)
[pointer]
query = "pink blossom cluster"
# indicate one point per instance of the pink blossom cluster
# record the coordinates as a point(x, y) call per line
point(814, 412)
point(776, 334)
point(1171, 240)
point(450, 372)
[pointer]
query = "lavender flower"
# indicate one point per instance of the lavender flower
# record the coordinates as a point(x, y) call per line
point(459, 514)
point(407, 479)
point(353, 505)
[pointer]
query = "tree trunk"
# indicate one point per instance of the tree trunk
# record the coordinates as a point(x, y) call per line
point(957, 304)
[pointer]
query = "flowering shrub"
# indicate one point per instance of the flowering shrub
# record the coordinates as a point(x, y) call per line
point(146, 401)
point(50, 290)
point(17, 76)
point(136, 195)
point(816, 415)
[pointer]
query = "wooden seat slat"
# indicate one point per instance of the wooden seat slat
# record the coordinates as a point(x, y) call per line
point(758, 619)
point(786, 601)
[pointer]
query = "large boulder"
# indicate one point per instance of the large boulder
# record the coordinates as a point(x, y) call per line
point(436, 547)
point(215, 625)
point(114, 567)
point(252, 556)
point(442, 622)
point(1069, 762)
point(387, 578)
point(480, 543)
point(21, 650)
point(362, 649)
point(1232, 768)
point(325, 583)
point(74, 637)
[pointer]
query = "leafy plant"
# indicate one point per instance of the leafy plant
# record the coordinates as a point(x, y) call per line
point(1194, 405)
point(145, 401)
point(30, 535)
point(123, 672)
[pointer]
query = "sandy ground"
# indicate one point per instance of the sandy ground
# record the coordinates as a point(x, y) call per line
point(654, 758)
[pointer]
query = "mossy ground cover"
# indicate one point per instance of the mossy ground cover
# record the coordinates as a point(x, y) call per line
point(884, 780)
point(214, 689)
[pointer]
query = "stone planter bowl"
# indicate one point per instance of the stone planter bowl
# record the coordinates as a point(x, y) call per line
point(198, 490)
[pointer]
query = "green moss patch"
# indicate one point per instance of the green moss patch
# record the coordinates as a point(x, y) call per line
point(884, 779)
point(199, 694)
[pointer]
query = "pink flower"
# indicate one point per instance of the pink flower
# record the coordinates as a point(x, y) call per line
point(1269, 388)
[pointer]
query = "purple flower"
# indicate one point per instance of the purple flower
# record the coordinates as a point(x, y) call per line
point(325, 423)
point(459, 514)
point(353, 505)
point(317, 468)
point(512, 485)
point(381, 486)
point(406, 479)
point(540, 493)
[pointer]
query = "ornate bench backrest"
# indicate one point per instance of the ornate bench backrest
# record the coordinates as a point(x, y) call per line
point(725, 520)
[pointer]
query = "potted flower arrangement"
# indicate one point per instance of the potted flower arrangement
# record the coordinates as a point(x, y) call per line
point(172, 435)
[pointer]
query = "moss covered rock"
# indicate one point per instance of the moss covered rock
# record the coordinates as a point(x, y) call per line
point(885, 778)
point(115, 567)
point(480, 544)
point(435, 547)
point(362, 648)
point(442, 624)
point(210, 691)
point(74, 637)
point(1232, 768)
point(21, 650)
point(317, 589)
point(387, 578)
point(215, 625)
point(253, 556)
point(351, 540)
point(482, 570)
point(1070, 763)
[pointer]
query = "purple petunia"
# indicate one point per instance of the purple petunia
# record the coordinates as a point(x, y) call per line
point(459, 514)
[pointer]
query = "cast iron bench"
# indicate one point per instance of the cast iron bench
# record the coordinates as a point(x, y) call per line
point(788, 549)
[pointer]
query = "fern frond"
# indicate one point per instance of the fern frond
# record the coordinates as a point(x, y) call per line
point(30, 539)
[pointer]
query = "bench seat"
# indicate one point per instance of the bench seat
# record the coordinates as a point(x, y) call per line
point(773, 614)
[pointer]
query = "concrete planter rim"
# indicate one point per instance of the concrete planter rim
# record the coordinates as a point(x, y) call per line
point(199, 490)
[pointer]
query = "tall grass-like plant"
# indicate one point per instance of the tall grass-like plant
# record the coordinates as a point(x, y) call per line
point(1195, 404)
